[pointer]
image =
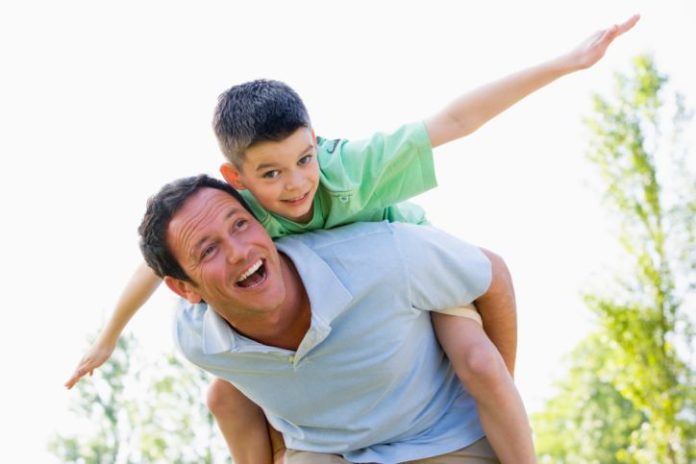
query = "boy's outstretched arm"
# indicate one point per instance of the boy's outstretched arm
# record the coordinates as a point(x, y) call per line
point(140, 287)
point(470, 111)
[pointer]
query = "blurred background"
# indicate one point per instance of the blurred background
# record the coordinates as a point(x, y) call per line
point(589, 201)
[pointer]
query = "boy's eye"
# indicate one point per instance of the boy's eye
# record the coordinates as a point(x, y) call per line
point(304, 160)
point(271, 174)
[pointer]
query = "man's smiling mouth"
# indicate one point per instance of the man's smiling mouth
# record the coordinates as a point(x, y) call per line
point(253, 276)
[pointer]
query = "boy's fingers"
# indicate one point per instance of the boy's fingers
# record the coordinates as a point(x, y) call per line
point(629, 23)
point(71, 381)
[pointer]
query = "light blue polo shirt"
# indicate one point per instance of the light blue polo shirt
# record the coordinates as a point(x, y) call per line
point(369, 380)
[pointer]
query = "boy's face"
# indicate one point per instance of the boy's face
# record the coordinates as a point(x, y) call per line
point(283, 176)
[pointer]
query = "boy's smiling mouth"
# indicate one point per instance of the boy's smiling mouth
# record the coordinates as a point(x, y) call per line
point(255, 275)
point(296, 200)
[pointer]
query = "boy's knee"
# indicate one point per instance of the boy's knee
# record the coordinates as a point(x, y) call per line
point(483, 364)
point(221, 396)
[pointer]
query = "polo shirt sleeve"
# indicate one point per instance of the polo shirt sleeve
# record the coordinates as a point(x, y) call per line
point(379, 172)
point(442, 271)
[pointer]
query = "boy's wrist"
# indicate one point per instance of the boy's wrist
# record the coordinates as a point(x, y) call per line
point(561, 65)
point(107, 340)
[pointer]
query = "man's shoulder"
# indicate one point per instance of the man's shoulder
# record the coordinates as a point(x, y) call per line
point(350, 234)
point(361, 243)
point(188, 327)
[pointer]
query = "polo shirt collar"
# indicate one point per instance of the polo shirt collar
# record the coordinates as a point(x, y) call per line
point(217, 334)
point(328, 298)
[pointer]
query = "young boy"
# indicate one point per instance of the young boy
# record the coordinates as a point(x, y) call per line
point(295, 182)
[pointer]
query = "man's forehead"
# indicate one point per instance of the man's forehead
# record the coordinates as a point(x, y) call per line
point(209, 200)
point(203, 208)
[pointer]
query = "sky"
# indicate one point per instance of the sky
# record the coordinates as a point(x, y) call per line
point(101, 103)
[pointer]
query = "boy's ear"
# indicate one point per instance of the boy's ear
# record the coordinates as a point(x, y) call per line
point(314, 139)
point(184, 289)
point(232, 175)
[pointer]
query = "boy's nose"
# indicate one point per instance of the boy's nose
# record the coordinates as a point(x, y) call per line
point(294, 181)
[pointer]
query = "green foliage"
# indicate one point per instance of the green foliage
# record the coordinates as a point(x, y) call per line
point(630, 393)
point(135, 412)
point(589, 420)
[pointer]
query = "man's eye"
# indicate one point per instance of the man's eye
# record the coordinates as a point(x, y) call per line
point(241, 224)
point(208, 251)
point(271, 174)
point(305, 160)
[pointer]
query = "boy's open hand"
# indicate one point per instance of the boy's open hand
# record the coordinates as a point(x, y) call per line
point(594, 47)
point(97, 354)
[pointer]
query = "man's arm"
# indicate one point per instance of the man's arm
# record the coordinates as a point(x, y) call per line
point(470, 111)
point(498, 311)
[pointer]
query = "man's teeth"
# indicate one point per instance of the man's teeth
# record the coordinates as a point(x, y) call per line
point(250, 271)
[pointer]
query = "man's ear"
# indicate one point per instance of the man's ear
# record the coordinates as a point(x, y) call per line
point(184, 289)
point(232, 175)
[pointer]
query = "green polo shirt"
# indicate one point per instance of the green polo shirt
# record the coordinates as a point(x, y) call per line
point(364, 180)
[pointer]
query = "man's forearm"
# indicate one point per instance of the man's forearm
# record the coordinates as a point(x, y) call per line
point(499, 312)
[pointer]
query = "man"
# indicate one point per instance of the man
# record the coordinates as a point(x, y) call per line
point(329, 332)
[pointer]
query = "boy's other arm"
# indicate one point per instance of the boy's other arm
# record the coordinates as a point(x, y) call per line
point(141, 286)
point(470, 111)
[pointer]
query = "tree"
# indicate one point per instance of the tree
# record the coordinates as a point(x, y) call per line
point(630, 394)
point(133, 411)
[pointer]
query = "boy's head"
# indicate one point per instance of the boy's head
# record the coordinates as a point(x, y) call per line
point(264, 131)
point(256, 111)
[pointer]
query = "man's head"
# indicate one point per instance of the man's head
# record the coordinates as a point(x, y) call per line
point(198, 234)
point(264, 131)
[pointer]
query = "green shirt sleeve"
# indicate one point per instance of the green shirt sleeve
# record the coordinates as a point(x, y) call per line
point(365, 180)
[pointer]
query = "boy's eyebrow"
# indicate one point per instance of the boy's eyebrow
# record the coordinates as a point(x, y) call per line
point(197, 246)
point(262, 166)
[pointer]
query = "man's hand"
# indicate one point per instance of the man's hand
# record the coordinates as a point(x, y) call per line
point(594, 47)
point(96, 355)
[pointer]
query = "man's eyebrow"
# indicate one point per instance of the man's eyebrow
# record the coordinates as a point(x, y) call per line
point(261, 167)
point(233, 211)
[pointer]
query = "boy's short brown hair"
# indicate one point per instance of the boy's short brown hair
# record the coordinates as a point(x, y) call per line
point(256, 111)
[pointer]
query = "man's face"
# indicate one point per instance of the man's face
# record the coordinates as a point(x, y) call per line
point(283, 176)
point(228, 255)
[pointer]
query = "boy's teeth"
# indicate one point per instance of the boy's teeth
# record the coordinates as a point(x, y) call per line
point(250, 271)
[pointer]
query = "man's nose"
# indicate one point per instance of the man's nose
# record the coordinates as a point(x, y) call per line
point(235, 250)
